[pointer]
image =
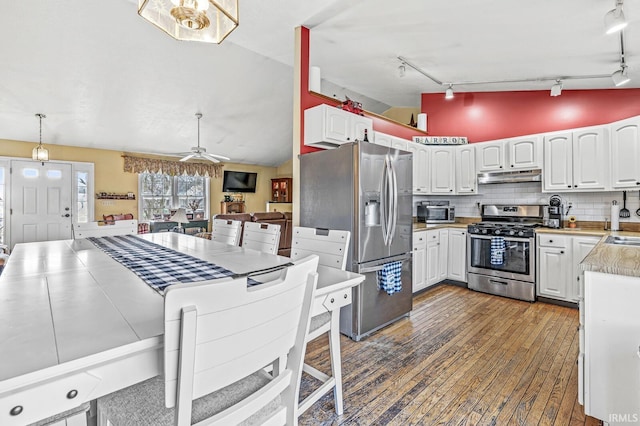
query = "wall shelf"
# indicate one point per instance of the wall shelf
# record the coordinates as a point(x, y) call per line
point(109, 196)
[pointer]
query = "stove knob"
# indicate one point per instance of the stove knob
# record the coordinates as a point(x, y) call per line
point(512, 232)
point(484, 231)
point(497, 232)
point(521, 234)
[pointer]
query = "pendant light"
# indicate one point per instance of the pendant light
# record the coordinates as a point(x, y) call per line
point(40, 153)
point(448, 94)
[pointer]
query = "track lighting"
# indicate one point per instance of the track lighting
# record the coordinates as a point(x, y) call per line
point(614, 19)
point(401, 70)
point(556, 89)
point(448, 94)
point(620, 77)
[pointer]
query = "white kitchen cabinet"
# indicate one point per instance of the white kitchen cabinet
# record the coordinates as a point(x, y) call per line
point(490, 156)
point(442, 174)
point(466, 178)
point(521, 153)
point(399, 143)
point(327, 127)
point(576, 160)
point(419, 277)
point(443, 254)
point(433, 255)
point(580, 248)
point(382, 139)
point(625, 153)
point(554, 266)
point(524, 153)
point(611, 369)
point(559, 258)
point(457, 255)
point(420, 167)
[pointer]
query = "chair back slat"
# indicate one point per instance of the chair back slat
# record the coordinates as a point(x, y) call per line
point(264, 237)
point(331, 246)
point(100, 229)
point(240, 329)
point(226, 231)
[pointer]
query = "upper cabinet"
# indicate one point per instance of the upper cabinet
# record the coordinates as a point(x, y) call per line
point(576, 160)
point(625, 153)
point(420, 167)
point(520, 153)
point(327, 127)
point(466, 178)
point(442, 174)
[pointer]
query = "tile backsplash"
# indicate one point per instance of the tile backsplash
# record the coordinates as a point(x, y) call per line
point(587, 206)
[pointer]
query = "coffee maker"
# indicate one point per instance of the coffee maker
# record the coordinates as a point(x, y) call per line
point(553, 212)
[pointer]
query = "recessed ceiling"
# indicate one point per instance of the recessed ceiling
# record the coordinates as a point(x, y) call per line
point(106, 78)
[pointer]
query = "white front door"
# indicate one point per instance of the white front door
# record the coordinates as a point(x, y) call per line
point(40, 201)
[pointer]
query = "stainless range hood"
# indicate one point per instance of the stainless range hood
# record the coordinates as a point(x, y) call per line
point(534, 175)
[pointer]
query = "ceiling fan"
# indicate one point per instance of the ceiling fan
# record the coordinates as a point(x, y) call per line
point(198, 152)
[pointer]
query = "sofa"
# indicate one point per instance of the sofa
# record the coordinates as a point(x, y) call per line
point(277, 218)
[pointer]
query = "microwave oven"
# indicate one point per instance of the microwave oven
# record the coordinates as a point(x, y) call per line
point(436, 213)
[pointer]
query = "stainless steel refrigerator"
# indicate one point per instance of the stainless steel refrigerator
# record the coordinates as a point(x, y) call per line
point(366, 189)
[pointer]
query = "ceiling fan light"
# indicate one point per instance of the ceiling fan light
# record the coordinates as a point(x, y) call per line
point(556, 89)
point(620, 77)
point(448, 94)
point(614, 20)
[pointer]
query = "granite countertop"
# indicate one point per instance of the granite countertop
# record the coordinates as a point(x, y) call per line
point(612, 258)
point(573, 231)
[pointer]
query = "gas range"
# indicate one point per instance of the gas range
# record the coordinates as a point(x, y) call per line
point(523, 230)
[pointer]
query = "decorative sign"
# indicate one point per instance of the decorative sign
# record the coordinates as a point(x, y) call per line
point(441, 140)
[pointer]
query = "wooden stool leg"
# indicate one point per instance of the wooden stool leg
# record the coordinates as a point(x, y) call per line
point(336, 361)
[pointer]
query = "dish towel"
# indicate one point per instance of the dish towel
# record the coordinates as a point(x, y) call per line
point(390, 277)
point(497, 250)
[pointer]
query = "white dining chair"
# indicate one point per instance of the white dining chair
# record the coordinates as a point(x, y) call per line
point(218, 338)
point(100, 229)
point(331, 246)
point(264, 237)
point(226, 231)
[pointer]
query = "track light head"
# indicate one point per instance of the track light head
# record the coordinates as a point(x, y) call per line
point(448, 94)
point(620, 77)
point(614, 20)
point(556, 89)
point(402, 70)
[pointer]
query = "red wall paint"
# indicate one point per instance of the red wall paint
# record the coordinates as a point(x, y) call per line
point(483, 116)
point(308, 100)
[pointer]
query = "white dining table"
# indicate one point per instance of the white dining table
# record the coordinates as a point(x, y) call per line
point(75, 324)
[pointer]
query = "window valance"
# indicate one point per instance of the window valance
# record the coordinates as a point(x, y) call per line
point(134, 164)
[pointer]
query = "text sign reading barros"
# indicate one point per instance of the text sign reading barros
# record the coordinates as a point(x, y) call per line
point(441, 140)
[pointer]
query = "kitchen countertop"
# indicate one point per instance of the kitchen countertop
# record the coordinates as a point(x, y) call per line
point(429, 226)
point(574, 231)
point(612, 258)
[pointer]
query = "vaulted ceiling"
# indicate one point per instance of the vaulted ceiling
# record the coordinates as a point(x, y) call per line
point(106, 78)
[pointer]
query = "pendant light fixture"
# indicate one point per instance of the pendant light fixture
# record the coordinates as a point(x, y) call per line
point(40, 153)
point(208, 21)
point(614, 19)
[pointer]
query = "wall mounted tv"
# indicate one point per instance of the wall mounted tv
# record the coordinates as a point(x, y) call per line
point(239, 181)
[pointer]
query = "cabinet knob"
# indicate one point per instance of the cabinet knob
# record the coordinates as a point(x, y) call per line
point(561, 251)
point(575, 186)
point(500, 166)
point(345, 295)
point(471, 189)
point(568, 186)
point(637, 183)
point(451, 190)
point(550, 241)
point(332, 300)
point(72, 394)
point(16, 410)
point(512, 165)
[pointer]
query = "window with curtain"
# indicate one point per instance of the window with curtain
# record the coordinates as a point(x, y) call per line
point(161, 193)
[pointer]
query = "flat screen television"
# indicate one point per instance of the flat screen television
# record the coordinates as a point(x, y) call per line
point(239, 181)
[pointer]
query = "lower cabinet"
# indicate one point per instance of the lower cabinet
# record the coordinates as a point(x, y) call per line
point(419, 278)
point(439, 254)
point(457, 258)
point(559, 257)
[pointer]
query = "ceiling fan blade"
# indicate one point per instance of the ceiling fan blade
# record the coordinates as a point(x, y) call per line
point(188, 157)
point(209, 157)
point(221, 157)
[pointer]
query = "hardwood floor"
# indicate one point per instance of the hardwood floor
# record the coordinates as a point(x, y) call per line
point(462, 358)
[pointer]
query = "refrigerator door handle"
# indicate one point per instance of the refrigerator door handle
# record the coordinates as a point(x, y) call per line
point(394, 201)
point(386, 201)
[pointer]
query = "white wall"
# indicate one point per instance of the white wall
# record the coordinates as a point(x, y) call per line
point(594, 206)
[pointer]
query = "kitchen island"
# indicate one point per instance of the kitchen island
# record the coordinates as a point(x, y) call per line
point(608, 362)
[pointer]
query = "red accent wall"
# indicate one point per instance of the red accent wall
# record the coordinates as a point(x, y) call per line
point(308, 100)
point(483, 116)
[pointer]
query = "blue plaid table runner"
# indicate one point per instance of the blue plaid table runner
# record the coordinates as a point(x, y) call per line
point(159, 266)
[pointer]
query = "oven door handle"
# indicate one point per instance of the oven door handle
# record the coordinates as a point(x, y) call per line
point(498, 282)
point(506, 237)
